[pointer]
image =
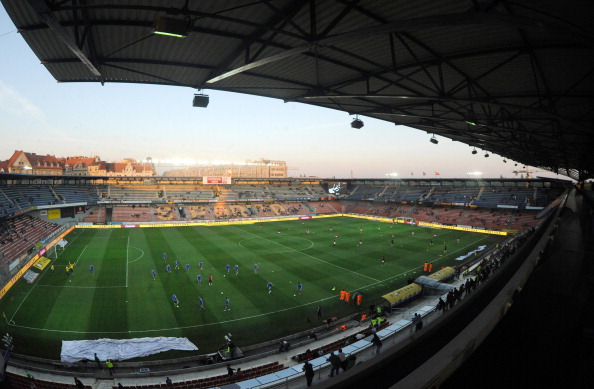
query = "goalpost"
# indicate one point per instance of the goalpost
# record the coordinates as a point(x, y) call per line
point(57, 248)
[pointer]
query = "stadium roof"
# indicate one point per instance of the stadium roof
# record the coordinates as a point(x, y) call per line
point(512, 77)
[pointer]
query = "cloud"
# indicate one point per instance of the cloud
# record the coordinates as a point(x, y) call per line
point(14, 103)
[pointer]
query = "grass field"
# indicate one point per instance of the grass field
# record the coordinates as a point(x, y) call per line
point(121, 299)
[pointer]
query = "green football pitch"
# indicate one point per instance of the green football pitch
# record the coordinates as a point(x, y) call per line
point(120, 299)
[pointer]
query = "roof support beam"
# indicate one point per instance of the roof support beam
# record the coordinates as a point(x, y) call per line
point(48, 18)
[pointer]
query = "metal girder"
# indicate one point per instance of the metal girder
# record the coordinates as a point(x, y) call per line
point(49, 18)
point(416, 24)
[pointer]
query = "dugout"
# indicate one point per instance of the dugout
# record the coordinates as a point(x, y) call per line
point(444, 275)
point(404, 295)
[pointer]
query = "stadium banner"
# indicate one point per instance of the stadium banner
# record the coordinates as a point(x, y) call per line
point(534, 208)
point(129, 225)
point(43, 213)
point(17, 276)
point(507, 206)
point(85, 223)
point(374, 218)
point(98, 225)
point(54, 213)
point(216, 180)
point(59, 205)
point(458, 228)
point(403, 294)
point(30, 276)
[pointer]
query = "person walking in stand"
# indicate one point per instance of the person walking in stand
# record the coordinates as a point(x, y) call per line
point(109, 365)
point(377, 342)
point(335, 362)
point(98, 361)
point(309, 373)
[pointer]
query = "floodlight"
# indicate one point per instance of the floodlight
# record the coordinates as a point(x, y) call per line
point(474, 151)
point(357, 123)
point(433, 140)
point(171, 27)
point(201, 100)
point(486, 155)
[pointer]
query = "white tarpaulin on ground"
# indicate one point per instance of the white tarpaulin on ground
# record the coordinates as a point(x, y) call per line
point(121, 349)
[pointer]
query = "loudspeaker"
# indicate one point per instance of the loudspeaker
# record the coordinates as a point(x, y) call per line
point(201, 101)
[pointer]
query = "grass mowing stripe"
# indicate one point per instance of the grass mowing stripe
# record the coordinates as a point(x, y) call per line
point(310, 256)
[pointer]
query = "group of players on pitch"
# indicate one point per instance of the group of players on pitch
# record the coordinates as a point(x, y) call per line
point(269, 285)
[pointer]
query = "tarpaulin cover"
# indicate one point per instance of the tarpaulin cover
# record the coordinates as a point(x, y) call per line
point(121, 349)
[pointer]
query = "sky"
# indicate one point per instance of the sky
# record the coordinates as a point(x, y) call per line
point(116, 121)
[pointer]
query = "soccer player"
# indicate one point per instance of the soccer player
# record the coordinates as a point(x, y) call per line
point(200, 265)
point(92, 269)
point(255, 268)
point(199, 279)
point(209, 279)
point(270, 285)
point(154, 274)
point(187, 267)
point(164, 256)
point(299, 287)
point(228, 267)
point(168, 267)
point(177, 263)
point(52, 268)
point(201, 300)
point(383, 260)
point(175, 301)
point(236, 269)
point(227, 304)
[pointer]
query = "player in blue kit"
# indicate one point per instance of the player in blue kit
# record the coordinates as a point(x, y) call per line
point(199, 279)
point(201, 300)
point(200, 265)
point(175, 301)
point(92, 269)
point(236, 269)
point(187, 267)
point(299, 287)
point(228, 267)
point(154, 274)
point(256, 268)
point(177, 263)
point(168, 267)
point(227, 304)
point(164, 256)
point(270, 285)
